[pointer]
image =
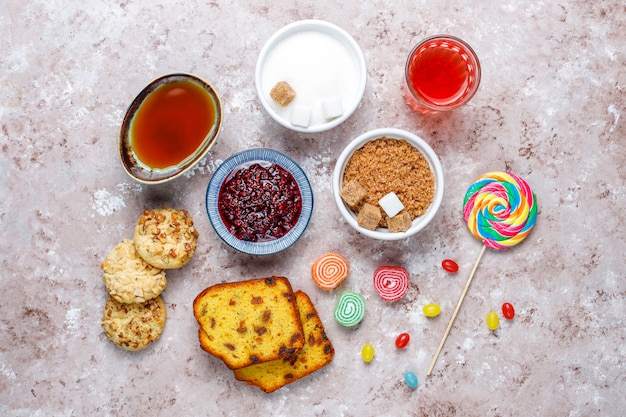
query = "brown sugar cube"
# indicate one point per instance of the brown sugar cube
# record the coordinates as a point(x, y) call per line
point(282, 93)
point(369, 216)
point(352, 193)
point(400, 222)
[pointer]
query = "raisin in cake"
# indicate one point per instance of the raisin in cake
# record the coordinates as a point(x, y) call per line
point(316, 353)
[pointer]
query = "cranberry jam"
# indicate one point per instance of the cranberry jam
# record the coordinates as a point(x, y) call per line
point(259, 202)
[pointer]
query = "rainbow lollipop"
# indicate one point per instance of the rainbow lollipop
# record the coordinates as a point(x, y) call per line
point(500, 210)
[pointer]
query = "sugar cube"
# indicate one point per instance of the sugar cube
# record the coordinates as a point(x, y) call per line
point(400, 222)
point(301, 115)
point(369, 216)
point(282, 93)
point(332, 107)
point(391, 204)
point(352, 193)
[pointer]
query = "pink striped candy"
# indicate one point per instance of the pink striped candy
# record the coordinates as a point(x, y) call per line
point(391, 282)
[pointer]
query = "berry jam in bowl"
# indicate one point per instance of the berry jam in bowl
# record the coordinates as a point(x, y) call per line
point(259, 201)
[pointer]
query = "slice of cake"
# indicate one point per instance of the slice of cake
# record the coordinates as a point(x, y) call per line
point(248, 322)
point(316, 353)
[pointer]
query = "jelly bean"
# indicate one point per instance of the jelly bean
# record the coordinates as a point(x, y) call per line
point(492, 320)
point(508, 311)
point(450, 266)
point(411, 379)
point(431, 310)
point(367, 352)
point(402, 340)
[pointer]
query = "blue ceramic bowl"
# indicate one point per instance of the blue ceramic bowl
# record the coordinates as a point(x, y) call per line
point(223, 173)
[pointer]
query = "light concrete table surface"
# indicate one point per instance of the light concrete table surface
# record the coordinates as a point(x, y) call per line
point(550, 108)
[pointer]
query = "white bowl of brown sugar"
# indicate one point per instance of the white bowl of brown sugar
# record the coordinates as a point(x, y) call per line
point(388, 184)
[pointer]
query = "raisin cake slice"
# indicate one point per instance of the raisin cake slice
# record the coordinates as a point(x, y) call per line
point(316, 353)
point(248, 322)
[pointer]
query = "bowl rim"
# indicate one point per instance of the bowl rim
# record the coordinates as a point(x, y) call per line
point(145, 175)
point(420, 222)
point(321, 26)
point(251, 155)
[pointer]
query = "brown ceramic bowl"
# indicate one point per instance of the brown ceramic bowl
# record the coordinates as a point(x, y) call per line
point(209, 114)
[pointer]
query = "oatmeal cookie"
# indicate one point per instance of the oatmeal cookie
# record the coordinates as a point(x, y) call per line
point(134, 326)
point(130, 279)
point(165, 238)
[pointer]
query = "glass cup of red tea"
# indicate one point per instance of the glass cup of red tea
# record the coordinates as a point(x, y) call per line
point(442, 73)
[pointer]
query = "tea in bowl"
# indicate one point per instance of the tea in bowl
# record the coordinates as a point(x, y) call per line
point(169, 127)
point(388, 184)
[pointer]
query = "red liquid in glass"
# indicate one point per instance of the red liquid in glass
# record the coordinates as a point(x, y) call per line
point(438, 72)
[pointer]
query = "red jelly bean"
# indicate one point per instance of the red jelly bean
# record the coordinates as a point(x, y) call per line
point(450, 266)
point(402, 340)
point(508, 311)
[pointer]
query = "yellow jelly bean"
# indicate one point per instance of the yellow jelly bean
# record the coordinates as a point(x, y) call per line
point(431, 310)
point(367, 352)
point(492, 320)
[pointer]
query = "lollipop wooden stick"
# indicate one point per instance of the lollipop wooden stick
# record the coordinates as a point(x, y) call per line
point(500, 210)
point(456, 311)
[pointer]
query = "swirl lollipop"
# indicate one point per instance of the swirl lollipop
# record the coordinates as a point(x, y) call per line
point(500, 210)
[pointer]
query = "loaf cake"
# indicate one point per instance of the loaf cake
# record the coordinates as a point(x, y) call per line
point(316, 353)
point(248, 322)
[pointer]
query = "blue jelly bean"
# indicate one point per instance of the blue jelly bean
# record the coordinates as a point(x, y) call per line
point(411, 379)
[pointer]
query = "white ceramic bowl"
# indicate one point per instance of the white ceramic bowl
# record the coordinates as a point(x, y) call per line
point(320, 61)
point(433, 161)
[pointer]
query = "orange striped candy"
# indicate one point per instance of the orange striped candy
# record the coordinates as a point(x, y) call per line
point(330, 270)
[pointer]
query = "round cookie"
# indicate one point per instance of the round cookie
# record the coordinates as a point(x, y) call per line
point(130, 279)
point(134, 326)
point(165, 238)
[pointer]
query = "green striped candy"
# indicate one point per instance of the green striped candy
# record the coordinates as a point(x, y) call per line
point(350, 309)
